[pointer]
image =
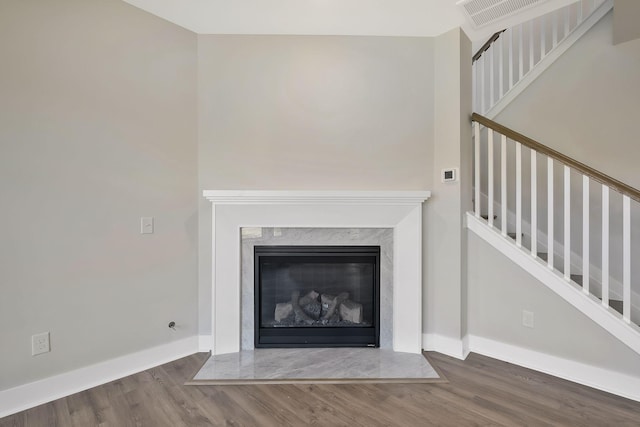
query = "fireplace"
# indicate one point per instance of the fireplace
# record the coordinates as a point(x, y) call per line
point(317, 296)
point(231, 210)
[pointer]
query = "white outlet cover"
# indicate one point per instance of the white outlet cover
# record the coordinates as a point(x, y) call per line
point(146, 225)
point(527, 319)
point(40, 344)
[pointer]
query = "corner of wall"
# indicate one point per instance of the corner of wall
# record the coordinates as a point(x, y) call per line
point(445, 265)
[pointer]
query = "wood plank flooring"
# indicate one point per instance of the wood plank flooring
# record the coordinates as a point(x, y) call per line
point(481, 392)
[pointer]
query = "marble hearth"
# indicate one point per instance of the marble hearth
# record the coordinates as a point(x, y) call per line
point(391, 219)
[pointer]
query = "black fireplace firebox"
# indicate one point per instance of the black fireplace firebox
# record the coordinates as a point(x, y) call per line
point(317, 296)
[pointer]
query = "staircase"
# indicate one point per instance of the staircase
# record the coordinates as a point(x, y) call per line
point(513, 58)
point(549, 229)
point(568, 225)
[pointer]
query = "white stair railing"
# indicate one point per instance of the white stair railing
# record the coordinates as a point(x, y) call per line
point(510, 55)
point(500, 187)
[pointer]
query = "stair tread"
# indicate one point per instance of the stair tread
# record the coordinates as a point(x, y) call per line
point(617, 305)
point(486, 217)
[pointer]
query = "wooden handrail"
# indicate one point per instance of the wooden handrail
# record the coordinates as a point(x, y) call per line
point(621, 187)
point(486, 46)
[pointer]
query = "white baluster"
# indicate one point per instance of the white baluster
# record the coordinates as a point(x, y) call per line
point(566, 22)
point(626, 258)
point(605, 246)
point(534, 204)
point(579, 16)
point(474, 85)
point(518, 194)
point(510, 31)
point(585, 234)
point(503, 189)
point(476, 154)
point(520, 53)
point(554, 26)
point(543, 36)
point(481, 77)
point(567, 222)
point(490, 176)
point(550, 212)
point(500, 46)
point(531, 52)
point(492, 77)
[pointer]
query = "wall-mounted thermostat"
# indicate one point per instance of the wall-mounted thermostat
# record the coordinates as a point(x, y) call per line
point(449, 175)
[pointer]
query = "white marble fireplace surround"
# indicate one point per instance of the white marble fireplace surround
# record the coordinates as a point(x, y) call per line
point(382, 237)
point(399, 210)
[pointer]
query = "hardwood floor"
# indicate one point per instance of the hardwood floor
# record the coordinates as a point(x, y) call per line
point(481, 391)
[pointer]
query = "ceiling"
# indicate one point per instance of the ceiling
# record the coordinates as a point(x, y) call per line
point(329, 17)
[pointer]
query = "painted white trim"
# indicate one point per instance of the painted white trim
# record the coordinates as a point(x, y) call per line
point(205, 343)
point(606, 317)
point(446, 345)
point(400, 210)
point(233, 197)
point(599, 378)
point(42, 391)
point(548, 60)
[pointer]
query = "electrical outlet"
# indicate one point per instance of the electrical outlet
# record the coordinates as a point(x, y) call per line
point(527, 319)
point(40, 343)
point(146, 225)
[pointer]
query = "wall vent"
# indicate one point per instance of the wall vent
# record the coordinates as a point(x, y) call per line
point(483, 12)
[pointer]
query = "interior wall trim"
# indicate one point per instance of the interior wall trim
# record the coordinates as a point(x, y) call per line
point(592, 376)
point(36, 393)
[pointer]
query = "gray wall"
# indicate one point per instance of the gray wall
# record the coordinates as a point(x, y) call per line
point(312, 113)
point(587, 104)
point(498, 292)
point(445, 240)
point(625, 20)
point(97, 128)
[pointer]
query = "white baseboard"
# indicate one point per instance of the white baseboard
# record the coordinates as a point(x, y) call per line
point(42, 391)
point(577, 372)
point(39, 392)
point(205, 343)
point(445, 345)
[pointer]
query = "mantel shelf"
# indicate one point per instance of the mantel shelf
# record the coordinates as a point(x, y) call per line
point(258, 197)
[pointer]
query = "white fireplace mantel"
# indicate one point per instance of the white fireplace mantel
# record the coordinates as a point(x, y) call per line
point(230, 197)
point(400, 210)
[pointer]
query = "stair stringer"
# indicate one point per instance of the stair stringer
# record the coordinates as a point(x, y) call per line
point(549, 59)
point(589, 305)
